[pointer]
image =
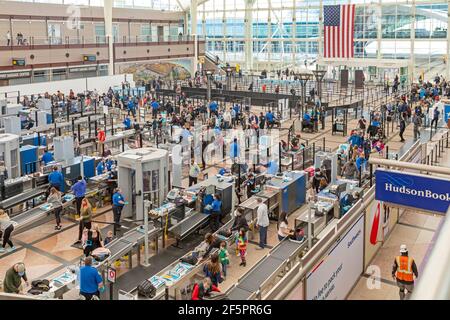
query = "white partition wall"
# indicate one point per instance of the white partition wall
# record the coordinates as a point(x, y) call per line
point(77, 85)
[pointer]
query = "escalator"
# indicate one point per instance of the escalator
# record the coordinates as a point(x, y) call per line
point(213, 63)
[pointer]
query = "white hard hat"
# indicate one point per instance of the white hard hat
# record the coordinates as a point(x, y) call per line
point(403, 248)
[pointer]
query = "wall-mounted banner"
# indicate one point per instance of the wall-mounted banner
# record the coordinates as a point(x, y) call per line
point(446, 113)
point(334, 276)
point(413, 190)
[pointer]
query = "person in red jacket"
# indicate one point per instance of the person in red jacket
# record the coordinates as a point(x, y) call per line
point(101, 137)
point(203, 289)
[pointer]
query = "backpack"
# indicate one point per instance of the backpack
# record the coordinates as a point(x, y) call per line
point(39, 286)
point(146, 289)
point(191, 259)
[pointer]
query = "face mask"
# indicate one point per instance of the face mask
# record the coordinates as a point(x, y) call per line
point(21, 273)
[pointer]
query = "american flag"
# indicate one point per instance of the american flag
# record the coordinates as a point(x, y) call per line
point(339, 26)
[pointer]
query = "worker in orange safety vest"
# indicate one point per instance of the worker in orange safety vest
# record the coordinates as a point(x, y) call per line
point(403, 271)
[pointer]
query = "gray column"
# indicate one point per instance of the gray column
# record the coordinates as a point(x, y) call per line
point(412, 67)
point(107, 12)
point(448, 43)
point(249, 34)
point(193, 10)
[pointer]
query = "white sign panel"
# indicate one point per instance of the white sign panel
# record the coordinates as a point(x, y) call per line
point(334, 276)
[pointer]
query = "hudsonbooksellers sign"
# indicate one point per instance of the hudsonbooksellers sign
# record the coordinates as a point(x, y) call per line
point(413, 190)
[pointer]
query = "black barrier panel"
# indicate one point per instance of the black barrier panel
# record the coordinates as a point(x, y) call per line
point(257, 98)
point(359, 79)
point(344, 79)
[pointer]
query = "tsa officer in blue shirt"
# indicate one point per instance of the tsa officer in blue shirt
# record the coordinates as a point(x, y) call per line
point(100, 167)
point(47, 157)
point(272, 167)
point(155, 107)
point(118, 203)
point(79, 191)
point(213, 108)
point(91, 282)
point(131, 107)
point(216, 212)
point(127, 123)
point(269, 119)
point(56, 179)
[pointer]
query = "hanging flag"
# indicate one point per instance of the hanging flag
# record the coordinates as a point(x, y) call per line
point(339, 26)
point(375, 226)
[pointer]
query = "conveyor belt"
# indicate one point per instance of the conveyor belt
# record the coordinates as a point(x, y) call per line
point(252, 281)
point(21, 198)
point(285, 249)
point(28, 217)
point(125, 244)
point(239, 294)
point(136, 235)
point(189, 225)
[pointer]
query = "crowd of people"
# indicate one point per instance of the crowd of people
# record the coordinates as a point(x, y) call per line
point(367, 138)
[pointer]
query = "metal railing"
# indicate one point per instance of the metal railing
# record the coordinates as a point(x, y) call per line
point(27, 42)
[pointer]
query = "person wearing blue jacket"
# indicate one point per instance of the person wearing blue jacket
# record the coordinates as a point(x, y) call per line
point(155, 107)
point(213, 108)
point(360, 163)
point(118, 202)
point(272, 167)
point(269, 119)
point(47, 157)
point(216, 212)
point(56, 179)
point(100, 167)
point(131, 107)
point(79, 191)
point(109, 164)
point(127, 123)
point(234, 149)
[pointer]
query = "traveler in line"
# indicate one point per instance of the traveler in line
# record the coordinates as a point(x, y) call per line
point(85, 218)
point(194, 172)
point(55, 199)
point(6, 228)
point(262, 222)
point(402, 128)
point(283, 227)
point(203, 289)
point(13, 279)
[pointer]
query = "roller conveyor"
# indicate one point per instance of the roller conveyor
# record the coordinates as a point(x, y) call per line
point(239, 294)
point(253, 280)
point(136, 235)
point(265, 269)
point(188, 225)
point(26, 218)
point(21, 198)
point(286, 249)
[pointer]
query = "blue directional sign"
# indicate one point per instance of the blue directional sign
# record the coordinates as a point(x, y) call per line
point(413, 190)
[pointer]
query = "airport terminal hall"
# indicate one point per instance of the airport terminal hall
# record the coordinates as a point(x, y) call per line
point(258, 151)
